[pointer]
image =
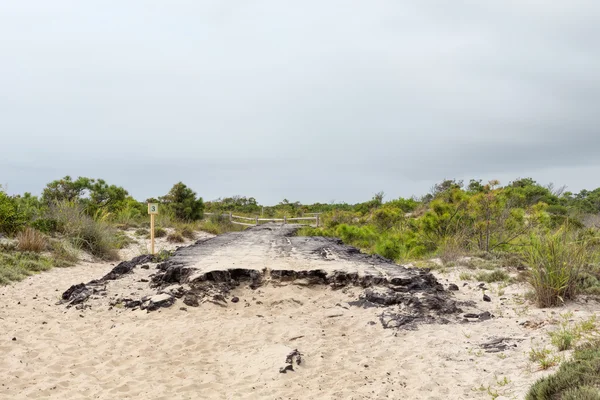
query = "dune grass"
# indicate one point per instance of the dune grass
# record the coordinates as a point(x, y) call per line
point(16, 266)
point(577, 379)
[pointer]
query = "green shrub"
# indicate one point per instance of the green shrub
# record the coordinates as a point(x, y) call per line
point(362, 237)
point(563, 339)
point(11, 219)
point(494, 276)
point(182, 200)
point(555, 261)
point(159, 232)
point(390, 248)
point(577, 379)
point(45, 225)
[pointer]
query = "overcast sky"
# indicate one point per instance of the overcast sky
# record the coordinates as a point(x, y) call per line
point(306, 100)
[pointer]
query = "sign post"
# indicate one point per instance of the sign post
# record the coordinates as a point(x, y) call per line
point(152, 210)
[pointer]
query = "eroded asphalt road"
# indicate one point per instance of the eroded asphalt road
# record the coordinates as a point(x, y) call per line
point(211, 269)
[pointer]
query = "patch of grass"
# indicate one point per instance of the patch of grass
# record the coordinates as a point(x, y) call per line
point(95, 237)
point(577, 379)
point(159, 232)
point(478, 263)
point(563, 339)
point(187, 232)
point(142, 232)
point(543, 358)
point(218, 224)
point(494, 276)
point(588, 325)
point(63, 255)
point(31, 240)
point(163, 255)
point(122, 240)
point(426, 264)
point(175, 237)
point(464, 276)
point(16, 266)
point(555, 262)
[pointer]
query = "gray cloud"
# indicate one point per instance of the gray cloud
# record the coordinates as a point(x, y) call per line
point(314, 101)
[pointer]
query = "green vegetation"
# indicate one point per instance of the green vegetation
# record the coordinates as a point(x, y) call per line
point(175, 237)
point(551, 233)
point(159, 232)
point(15, 266)
point(494, 276)
point(577, 379)
point(183, 202)
point(218, 224)
point(555, 262)
point(82, 214)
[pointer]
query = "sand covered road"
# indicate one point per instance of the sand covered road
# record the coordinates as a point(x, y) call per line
point(235, 350)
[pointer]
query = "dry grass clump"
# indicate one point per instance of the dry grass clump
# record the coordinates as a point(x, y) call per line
point(96, 237)
point(175, 237)
point(159, 232)
point(31, 240)
point(187, 232)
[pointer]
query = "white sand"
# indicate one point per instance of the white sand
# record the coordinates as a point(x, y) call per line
point(235, 352)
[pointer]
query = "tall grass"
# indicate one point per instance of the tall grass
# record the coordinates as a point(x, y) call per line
point(31, 240)
point(555, 262)
point(95, 237)
point(218, 224)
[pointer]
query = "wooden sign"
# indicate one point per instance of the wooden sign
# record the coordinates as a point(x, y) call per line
point(152, 210)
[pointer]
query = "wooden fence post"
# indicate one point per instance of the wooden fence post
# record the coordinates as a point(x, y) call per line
point(256, 220)
point(230, 216)
point(317, 217)
point(284, 219)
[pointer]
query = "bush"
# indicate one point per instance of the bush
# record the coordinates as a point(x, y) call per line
point(175, 237)
point(83, 232)
point(578, 379)
point(555, 262)
point(182, 200)
point(31, 240)
point(11, 219)
point(159, 232)
point(45, 225)
point(390, 248)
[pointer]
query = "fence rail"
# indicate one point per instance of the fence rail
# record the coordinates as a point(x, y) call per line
point(257, 220)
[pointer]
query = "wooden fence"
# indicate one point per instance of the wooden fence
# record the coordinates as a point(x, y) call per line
point(235, 219)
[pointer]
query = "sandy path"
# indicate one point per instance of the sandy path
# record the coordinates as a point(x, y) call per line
point(235, 352)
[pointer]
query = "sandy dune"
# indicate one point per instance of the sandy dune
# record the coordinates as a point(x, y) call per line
point(236, 352)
